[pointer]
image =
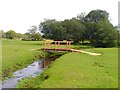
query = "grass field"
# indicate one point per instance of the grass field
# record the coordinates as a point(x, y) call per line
point(78, 70)
point(18, 54)
point(72, 70)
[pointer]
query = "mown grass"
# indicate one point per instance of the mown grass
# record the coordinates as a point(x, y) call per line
point(78, 70)
point(18, 54)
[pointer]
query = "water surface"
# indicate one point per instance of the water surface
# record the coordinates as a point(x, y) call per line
point(32, 70)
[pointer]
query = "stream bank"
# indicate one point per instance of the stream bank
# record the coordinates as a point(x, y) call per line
point(32, 70)
point(8, 72)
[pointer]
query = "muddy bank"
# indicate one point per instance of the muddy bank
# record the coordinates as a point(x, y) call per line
point(51, 56)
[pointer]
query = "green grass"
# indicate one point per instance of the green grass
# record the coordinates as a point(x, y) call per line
point(78, 70)
point(18, 54)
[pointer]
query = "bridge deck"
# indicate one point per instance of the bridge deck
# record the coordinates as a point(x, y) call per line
point(60, 49)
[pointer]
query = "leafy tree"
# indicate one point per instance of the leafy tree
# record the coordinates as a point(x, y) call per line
point(91, 28)
point(96, 16)
point(26, 37)
point(57, 31)
point(32, 34)
point(94, 27)
point(81, 17)
point(104, 35)
point(74, 30)
point(64, 30)
point(19, 35)
point(45, 27)
point(36, 37)
point(99, 31)
point(32, 29)
point(10, 34)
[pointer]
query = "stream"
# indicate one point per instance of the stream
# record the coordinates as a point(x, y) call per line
point(32, 70)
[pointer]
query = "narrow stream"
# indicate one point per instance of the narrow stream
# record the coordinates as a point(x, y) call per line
point(30, 71)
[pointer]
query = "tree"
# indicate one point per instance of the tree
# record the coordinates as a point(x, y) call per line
point(32, 29)
point(52, 29)
point(37, 36)
point(91, 28)
point(32, 34)
point(103, 34)
point(10, 34)
point(65, 30)
point(99, 31)
point(45, 27)
point(19, 36)
point(2, 34)
point(96, 16)
point(94, 27)
point(57, 31)
point(74, 30)
point(81, 17)
point(26, 37)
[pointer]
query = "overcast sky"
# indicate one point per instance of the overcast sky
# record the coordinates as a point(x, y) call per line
point(19, 15)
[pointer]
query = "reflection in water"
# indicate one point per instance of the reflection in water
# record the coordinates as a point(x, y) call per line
point(45, 63)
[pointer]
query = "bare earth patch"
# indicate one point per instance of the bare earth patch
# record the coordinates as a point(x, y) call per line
point(90, 53)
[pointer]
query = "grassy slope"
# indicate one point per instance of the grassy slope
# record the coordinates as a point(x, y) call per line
point(17, 54)
point(78, 70)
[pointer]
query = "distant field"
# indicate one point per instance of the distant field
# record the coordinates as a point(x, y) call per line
point(17, 54)
point(78, 70)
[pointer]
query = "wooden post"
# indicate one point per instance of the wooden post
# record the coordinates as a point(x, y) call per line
point(69, 44)
point(55, 45)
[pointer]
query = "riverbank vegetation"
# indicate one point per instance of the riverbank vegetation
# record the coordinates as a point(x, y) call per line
point(78, 70)
point(17, 54)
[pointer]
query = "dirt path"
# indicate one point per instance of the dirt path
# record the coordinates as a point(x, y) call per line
point(90, 53)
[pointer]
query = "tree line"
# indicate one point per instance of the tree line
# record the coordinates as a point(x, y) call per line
point(93, 28)
point(30, 35)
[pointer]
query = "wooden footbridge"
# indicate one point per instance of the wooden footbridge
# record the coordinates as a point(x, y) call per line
point(50, 45)
point(59, 46)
